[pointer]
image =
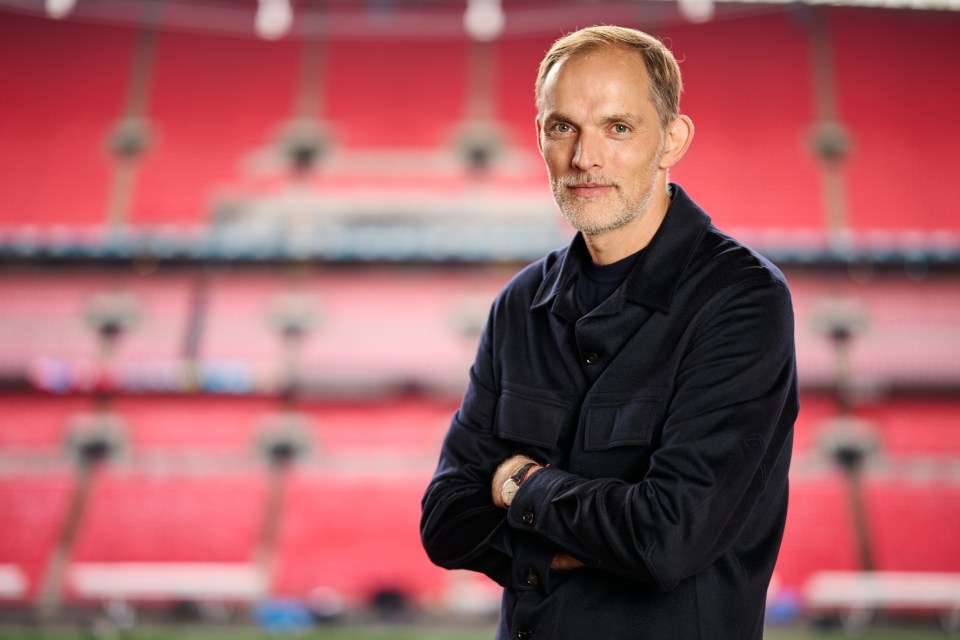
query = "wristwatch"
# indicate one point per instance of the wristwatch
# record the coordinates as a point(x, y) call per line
point(512, 485)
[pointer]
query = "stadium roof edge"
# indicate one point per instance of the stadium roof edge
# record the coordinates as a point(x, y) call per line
point(523, 18)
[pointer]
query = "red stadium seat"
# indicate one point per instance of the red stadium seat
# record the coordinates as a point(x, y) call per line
point(899, 173)
point(357, 532)
point(914, 523)
point(170, 516)
point(64, 87)
point(33, 507)
point(819, 533)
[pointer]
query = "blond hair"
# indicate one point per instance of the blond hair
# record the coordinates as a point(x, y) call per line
point(662, 68)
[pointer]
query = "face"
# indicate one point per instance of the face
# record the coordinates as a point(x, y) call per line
point(599, 133)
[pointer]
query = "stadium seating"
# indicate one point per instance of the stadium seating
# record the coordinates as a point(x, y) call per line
point(37, 424)
point(135, 515)
point(58, 110)
point(908, 333)
point(365, 84)
point(193, 425)
point(355, 530)
point(402, 428)
point(889, 174)
point(908, 338)
point(750, 164)
point(33, 506)
point(914, 522)
point(384, 362)
point(44, 319)
point(431, 342)
point(819, 533)
point(916, 428)
point(195, 151)
point(196, 81)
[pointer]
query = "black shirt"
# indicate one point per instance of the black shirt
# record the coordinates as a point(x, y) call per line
point(598, 282)
point(679, 396)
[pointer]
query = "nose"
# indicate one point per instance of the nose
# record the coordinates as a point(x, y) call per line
point(588, 153)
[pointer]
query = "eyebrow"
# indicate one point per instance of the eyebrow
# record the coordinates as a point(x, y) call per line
point(627, 118)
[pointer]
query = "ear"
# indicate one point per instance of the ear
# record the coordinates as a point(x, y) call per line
point(539, 132)
point(677, 141)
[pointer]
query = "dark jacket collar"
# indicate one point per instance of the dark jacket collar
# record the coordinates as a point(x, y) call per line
point(659, 268)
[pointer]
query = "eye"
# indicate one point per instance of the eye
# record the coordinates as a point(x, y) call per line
point(621, 128)
point(562, 127)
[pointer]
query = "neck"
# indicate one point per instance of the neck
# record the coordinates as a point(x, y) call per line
point(616, 244)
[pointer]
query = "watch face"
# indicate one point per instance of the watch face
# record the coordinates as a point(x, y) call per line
point(508, 491)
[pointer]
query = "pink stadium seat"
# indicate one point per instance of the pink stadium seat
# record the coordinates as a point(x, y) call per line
point(193, 425)
point(215, 103)
point(916, 428)
point(914, 523)
point(819, 533)
point(33, 506)
point(899, 173)
point(64, 86)
point(37, 423)
point(516, 71)
point(144, 516)
point(351, 342)
point(356, 532)
point(911, 334)
point(394, 95)
point(44, 318)
point(749, 164)
point(393, 428)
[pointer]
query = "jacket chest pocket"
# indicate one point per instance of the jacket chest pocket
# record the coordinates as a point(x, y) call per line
point(620, 432)
point(531, 417)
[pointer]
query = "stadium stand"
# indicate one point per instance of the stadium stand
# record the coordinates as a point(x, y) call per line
point(819, 533)
point(404, 427)
point(354, 531)
point(197, 149)
point(911, 428)
point(752, 165)
point(193, 425)
point(32, 510)
point(31, 424)
point(352, 334)
point(367, 114)
point(889, 174)
point(50, 316)
point(56, 121)
point(899, 509)
point(138, 515)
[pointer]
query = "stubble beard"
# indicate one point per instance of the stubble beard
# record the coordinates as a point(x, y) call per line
point(575, 210)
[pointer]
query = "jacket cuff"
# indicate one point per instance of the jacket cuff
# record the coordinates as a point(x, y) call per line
point(528, 509)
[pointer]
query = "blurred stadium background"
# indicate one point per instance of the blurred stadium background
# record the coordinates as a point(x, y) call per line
point(246, 250)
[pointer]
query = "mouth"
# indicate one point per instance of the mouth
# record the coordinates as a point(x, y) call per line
point(590, 189)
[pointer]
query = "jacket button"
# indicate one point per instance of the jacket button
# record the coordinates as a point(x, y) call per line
point(527, 517)
point(532, 578)
point(524, 634)
point(591, 358)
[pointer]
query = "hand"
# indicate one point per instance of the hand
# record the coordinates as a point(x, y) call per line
point(506, 469)
point(565, 562)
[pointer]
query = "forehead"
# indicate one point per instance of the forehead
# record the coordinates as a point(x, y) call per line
point(606, 75)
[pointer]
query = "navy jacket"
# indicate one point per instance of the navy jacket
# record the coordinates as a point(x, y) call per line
point(666, 415)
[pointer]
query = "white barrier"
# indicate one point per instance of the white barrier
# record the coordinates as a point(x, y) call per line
point(859, 595)
point(13, 583)
point(145, 581)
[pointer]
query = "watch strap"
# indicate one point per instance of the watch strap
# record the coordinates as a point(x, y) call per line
point(521, 474)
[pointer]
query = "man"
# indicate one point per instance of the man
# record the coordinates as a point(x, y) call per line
point(619, 462)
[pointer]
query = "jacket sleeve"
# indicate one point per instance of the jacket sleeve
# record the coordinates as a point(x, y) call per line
point(460, 527)
point(729, 420)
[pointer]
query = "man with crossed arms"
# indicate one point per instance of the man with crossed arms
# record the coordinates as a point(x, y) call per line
point(619, 461)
